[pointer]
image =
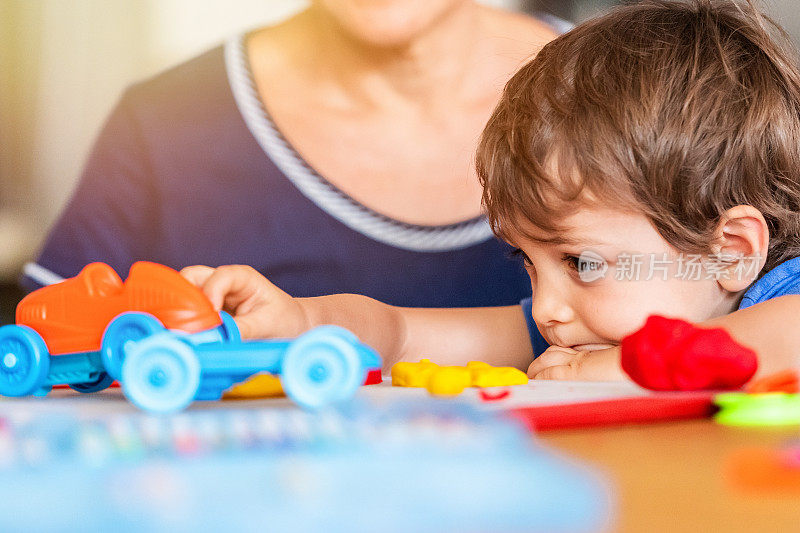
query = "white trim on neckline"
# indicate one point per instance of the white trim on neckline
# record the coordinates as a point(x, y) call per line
point(323, 193)
point(40, 274)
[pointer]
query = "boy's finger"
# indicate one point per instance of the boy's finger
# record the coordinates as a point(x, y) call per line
point(232, 286)
point(197, 274)
point(229, 285)
point(247, 326)
point(549, 359)
point(561, 372)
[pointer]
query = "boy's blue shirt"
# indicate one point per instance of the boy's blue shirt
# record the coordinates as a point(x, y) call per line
point(780, 281)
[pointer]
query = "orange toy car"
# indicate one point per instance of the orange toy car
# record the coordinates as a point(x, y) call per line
point(86, 322)
point(71, 316)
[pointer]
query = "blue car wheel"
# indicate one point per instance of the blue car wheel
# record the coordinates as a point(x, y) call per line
point(161, 374)
point(322, 367)
point(124, 329)
point(102, 382)
point(24, 361)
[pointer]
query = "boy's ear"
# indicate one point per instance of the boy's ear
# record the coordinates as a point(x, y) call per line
point(743, 235)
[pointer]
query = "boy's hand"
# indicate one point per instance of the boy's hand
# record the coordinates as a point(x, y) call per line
point(561, 363)
point(260, 309)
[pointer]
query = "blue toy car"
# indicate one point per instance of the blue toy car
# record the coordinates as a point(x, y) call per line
point(162, 339)
point(164, 370)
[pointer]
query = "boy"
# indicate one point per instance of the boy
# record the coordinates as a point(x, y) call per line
point(647, 162)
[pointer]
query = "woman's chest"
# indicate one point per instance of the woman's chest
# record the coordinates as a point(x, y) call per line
point(413, 169)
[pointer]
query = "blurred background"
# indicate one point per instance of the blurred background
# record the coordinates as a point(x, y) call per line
point(63, 64)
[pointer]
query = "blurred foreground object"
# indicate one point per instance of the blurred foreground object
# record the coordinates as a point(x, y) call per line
point(767, 409)
point(419, 466)
point(785, 381)
point(765, 470)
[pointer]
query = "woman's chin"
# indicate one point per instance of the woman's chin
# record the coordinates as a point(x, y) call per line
point(387, 23)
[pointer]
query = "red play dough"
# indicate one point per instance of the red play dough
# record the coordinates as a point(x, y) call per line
point(373, 377)
point(669, 354)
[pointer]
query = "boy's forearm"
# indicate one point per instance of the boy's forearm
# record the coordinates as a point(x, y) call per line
point(497, 335)
point(375, 323)
point(771, 328)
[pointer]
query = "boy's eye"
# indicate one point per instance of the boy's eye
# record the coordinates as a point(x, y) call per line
point(587, 267)
point(573, 262)
point(581, 264)
point(517, 252)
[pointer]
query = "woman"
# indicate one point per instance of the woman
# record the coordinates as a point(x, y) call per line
point(332, 152)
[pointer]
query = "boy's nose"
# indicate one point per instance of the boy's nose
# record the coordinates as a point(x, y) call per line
point(550, 306)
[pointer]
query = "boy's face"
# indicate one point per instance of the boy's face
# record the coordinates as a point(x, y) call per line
point(614, 272)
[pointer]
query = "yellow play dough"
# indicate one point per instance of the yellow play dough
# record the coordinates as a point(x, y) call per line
point(452, 380)
point(258, 386)
point(412, 374)
point(498, 376)
point(448, 381)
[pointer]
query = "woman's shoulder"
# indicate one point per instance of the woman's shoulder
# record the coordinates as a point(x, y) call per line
point(527, 30)
point(509, 39)
point(199, 81)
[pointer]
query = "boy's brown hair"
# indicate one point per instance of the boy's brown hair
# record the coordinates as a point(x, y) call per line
point(680, 109)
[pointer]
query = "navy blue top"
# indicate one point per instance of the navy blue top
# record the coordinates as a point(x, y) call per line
point(190, 169)
point(537, 341)
point(782, 280)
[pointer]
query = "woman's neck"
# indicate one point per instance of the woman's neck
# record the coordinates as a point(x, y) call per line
point(424, 72)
